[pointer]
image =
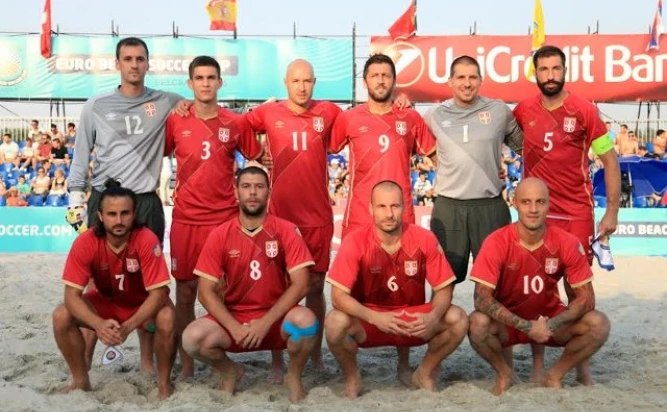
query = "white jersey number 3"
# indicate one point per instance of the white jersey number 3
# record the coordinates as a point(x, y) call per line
point(548, 142)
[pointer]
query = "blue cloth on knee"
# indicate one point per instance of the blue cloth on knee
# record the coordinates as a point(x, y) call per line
point(297, 333)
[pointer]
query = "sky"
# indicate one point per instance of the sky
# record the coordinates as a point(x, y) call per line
point(331, 18)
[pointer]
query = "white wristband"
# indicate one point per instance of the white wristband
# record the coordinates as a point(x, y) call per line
point(77, 198)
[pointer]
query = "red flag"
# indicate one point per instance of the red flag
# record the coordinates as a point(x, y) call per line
point(406, 25)
point(45, 38)
point(222, 14)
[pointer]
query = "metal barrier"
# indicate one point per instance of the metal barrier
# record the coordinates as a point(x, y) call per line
point(19, 127)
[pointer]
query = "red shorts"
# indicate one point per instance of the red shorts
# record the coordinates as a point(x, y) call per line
point(318, 240)
point(273, 339)
point(516, 337)
point(187, 242)
point(375, 337)
point(584, 230)
point(106, 309)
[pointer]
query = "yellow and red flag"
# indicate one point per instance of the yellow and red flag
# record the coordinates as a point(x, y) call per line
point(45, 38)
point(222, 14)
point(538, 34)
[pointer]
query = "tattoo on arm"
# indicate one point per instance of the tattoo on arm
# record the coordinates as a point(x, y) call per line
point(487, 304)
point(583, 302)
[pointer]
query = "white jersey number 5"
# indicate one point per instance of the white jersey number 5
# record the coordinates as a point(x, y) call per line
point(548, 142)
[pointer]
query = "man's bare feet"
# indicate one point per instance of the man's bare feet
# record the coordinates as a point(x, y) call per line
point(148, 367)
point(353, 386)
point(551, 382)
point(423, 381)
point(537, 375)
point(584, 376)
point(503, 382)
point(404, 375)
point(231, 377)
point(84, 386)
point(187, 372)
point(165, 391)
point(295, 388)
point(276, 374)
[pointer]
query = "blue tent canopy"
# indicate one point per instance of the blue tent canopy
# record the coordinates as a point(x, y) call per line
point(646, 176)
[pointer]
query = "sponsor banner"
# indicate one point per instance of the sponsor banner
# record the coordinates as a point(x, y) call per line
point(602, 68)
point(252, 69)
point(641, 232)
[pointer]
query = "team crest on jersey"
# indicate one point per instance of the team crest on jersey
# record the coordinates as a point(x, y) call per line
point(318, 124)
point(401, 127)
point(411, 267)
point(223, 134)
point(551, 266)
point(569, 124)
point(150, 109)
point(157, 251)
point(484, 117)
point(132, 265)
point(271, 248)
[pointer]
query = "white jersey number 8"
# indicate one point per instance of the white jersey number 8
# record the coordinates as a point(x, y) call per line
point(255, 273)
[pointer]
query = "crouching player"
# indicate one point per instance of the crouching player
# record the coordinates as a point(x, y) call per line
point(254, 271)
point(131, 289)
point(378, 293)
point(516, 292)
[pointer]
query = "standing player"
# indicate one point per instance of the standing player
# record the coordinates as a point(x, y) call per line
point(516, 291)
point(297, 134)
point(559, 129)
point(378, 292)
point(470, 130)
point(204, 144)
point(254, 272)
point(382, 139)
point(126, 127)
point(131, 280)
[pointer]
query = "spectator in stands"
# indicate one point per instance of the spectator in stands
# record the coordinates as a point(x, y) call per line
point(27, 155)
point(13, 198)
point(422, 185)
point(23, 187)
point(41, 184)
point(335, 171)
point(59, 154)
point(610, 133)
point(339, 193)
point(34, 133)
point(70, 137)
point(659, 143)
point(346, 182)
point(59, 184)
point(630, 146)
point(429, 198)
point(3, 189)
point(643, 152)
point(342, 161)
point(422, 164)
point(621, 137)
point(55, 133)
point(9, 150)
point(44, 148)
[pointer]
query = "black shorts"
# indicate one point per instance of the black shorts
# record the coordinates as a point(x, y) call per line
point(462, 225)
point(149, 212)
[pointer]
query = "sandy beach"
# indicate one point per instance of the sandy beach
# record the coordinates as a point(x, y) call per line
point(630, 370)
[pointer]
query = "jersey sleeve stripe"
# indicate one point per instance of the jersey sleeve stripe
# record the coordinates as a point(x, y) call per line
point(205, 276)
point(338, 285)
point(74, 285)
point(300, 266)
point(483, 282)
point(582, 283)
point(444, 284)
point(159, 285)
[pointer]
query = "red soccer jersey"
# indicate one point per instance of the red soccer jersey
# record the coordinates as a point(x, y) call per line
point(297, 143)
point(204, 149)
point(377, 278)
point(555, 149)
point(124, 276)
point(380, 149)
point(255, 266)
point(526, 282)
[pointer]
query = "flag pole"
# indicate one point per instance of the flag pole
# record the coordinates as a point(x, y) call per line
point(415, 17)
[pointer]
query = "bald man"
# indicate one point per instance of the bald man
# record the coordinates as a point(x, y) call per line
point(297, 135)
point(516, 292)
point(379, 297)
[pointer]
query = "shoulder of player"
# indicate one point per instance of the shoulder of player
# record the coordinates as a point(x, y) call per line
point(85, 240)
point(100, 99)
point(224, 114)
point(575, 103)
point(279, 225)
point(502, 237)
point(160, 94)
point(563, 239)
point(143, 235)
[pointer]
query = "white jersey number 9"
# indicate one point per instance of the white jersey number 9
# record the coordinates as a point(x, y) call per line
point(384, 143)
point(548, 142)
point(255, 273)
